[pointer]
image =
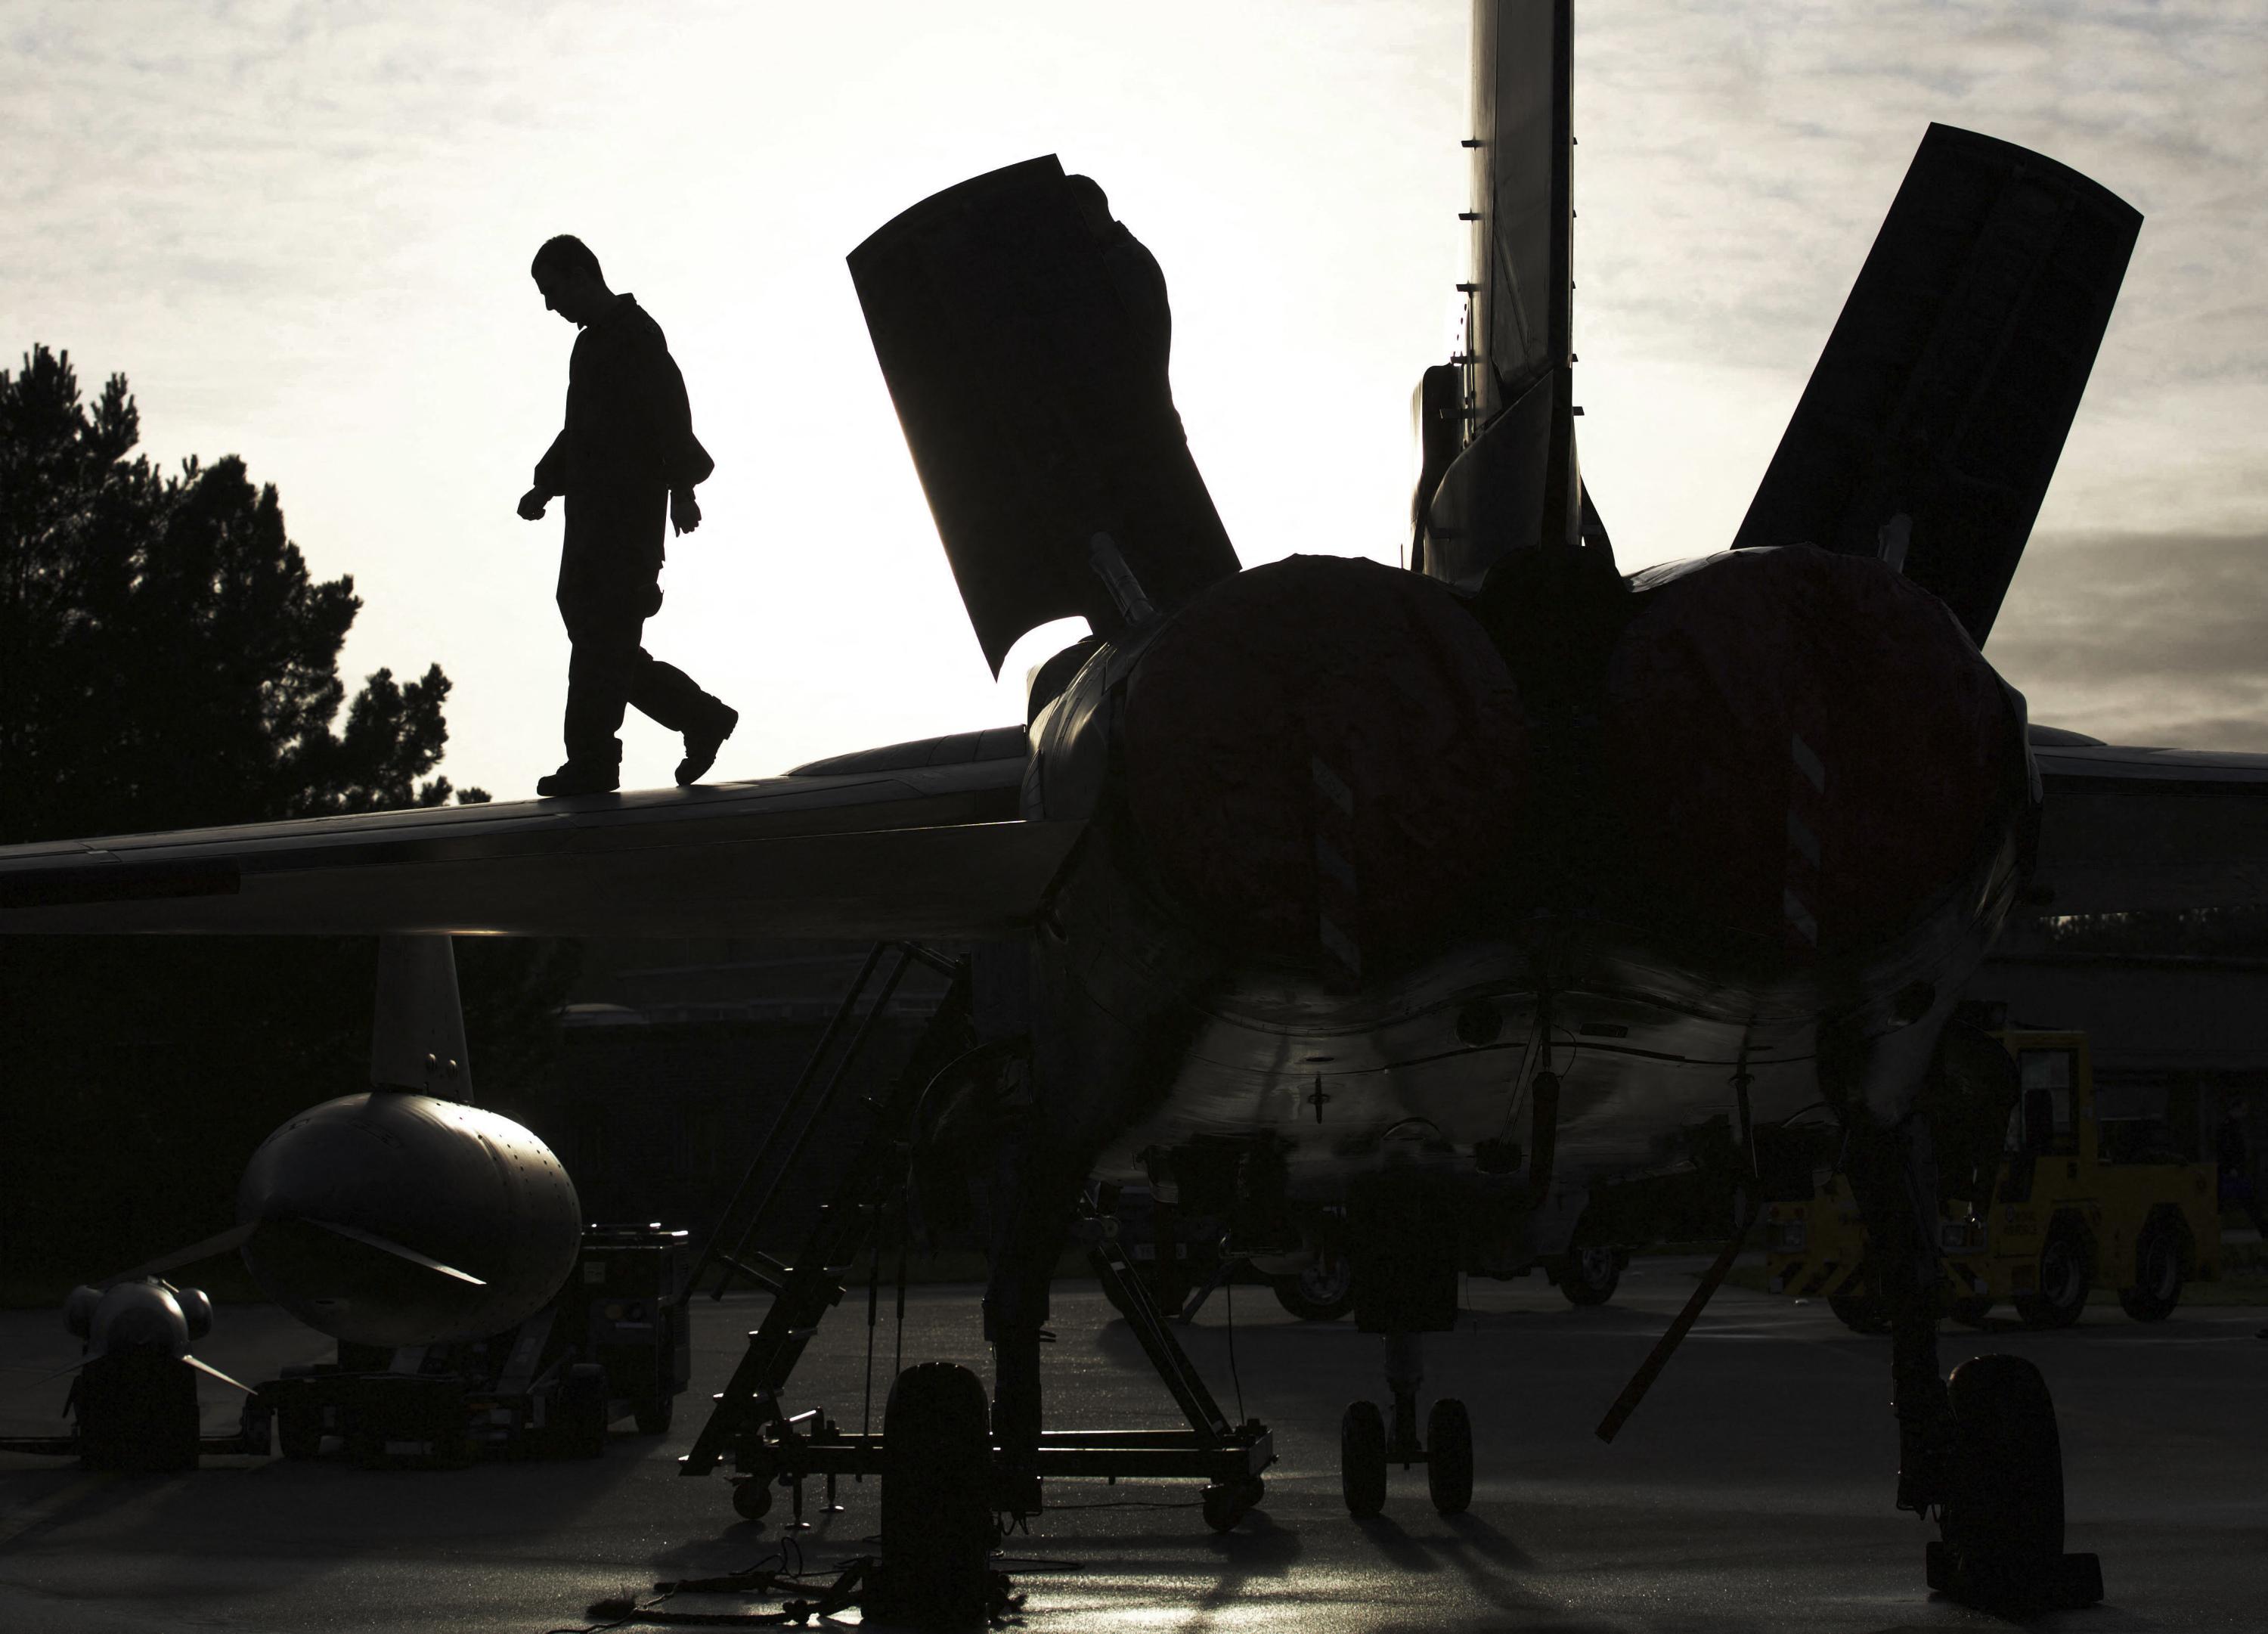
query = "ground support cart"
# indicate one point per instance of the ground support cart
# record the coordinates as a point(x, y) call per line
point(612, 1345)
point(770, 1449)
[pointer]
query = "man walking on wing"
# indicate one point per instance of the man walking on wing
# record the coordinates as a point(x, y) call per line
point(626, 458)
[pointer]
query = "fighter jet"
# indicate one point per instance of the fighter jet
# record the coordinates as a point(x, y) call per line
point(1435, 895)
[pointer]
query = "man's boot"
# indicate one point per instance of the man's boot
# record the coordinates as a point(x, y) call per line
point(702, 743)
point(582, 778)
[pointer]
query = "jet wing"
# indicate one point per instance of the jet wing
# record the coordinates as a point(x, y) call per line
point(1931, 425)
point(1030, 379)
point(2130, 830)
point(933, 851)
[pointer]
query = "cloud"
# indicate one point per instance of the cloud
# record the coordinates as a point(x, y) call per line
point(302, 229)
point(2153, 639)
point(1738, 158)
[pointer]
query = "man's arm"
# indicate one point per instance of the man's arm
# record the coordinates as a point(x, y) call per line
point(550, 480)
point(669, 417)
point(551, 470)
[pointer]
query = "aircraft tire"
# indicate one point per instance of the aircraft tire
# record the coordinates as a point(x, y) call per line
point(1450, 1456)
point(2003, 1510)
point(2157, 1287)
point(1362, 1460)
point(937, 1499)
point(2006, 1495)
point(653, 1416)
point(2063, 1283)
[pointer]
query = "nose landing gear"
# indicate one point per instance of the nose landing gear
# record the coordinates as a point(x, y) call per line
point(1366, 1447)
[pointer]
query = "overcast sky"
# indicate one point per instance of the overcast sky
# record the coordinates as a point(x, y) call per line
point(303, 234)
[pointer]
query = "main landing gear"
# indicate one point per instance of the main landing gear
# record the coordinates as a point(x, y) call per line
point(1366, 1447)
point(1978, 1452)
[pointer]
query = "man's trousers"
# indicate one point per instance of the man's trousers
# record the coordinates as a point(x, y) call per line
point(608, 587)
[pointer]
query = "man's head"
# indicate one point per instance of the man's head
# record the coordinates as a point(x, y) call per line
point(568, 274)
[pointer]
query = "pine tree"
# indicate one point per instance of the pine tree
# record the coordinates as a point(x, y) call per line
point(167, 661)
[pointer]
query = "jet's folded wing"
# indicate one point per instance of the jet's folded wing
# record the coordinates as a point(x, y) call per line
point(2133, 830)
point(1931, 425)
point(1027, 356)
point(934, 851)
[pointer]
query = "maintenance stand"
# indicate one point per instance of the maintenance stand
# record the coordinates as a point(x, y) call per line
point(933, 1423)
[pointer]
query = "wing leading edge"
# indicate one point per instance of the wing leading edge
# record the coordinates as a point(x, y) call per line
point(934, 852)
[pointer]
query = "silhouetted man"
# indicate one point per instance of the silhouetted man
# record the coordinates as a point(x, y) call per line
point(626, 457)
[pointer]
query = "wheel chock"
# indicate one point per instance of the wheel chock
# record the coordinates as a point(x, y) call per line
point(2015, 1583)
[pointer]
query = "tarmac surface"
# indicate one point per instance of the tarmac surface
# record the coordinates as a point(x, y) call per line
point(1751, 1492)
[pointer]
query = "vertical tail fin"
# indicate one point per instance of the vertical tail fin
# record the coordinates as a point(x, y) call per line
point(1517, 485)
point(417, 1037)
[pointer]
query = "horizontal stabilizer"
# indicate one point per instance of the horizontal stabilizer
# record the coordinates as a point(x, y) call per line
point(1931, 427)
point(386, 1245)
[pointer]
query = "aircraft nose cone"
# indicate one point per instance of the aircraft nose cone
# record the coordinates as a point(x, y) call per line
point(1322, 755)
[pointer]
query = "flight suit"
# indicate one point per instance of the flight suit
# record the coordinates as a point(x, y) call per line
point(627, 442)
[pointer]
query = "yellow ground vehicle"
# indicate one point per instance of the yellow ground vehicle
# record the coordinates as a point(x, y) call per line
point(2078, 1202)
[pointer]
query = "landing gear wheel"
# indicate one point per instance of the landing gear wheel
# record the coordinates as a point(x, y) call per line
point(1860, 1313)
point(1362, 1460)
point(1587, 1275)
point(2157, 1275)
point(1450, 1456)
point(2003, 1513)
point(937, 1498)
point(2063, 1283)
point(1323, 1292)
point(653, 1417)
point(1228, 1502)
point(1972, 1312)
point(752, 1498)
